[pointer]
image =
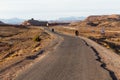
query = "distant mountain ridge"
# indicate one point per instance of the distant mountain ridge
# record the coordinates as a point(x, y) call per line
point(62, 19)
point(12, 21)
point(1, 22)
point(71, 18)
point(67, 19)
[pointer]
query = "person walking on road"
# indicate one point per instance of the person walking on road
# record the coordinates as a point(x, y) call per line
point(52, 30)
point(77, 33)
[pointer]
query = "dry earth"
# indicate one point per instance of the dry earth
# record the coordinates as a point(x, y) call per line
point(17, 46)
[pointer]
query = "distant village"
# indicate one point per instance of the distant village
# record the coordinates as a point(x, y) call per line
point(33, 22)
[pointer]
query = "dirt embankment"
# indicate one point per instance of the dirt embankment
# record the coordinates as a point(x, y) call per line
point(107, 56)
point(20, 46)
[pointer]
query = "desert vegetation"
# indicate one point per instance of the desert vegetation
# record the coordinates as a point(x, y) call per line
point(17, 43)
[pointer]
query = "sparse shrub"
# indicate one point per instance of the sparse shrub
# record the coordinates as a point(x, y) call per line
point(92, 38)
point(37, 38)
point(118, 40)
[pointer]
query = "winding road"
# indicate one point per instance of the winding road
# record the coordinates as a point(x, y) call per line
point(71, 60)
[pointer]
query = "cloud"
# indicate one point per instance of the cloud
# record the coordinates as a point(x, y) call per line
point(57, 8)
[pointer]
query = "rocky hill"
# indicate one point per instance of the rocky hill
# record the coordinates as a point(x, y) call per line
point(100, 21)
point(33, 22)
point(103, 17)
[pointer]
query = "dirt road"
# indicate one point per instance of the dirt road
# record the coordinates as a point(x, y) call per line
point(71, 60)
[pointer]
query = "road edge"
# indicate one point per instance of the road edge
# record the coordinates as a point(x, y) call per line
point(107, 56)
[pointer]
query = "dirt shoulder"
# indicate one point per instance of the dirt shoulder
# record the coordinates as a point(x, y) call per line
point(20, 50)
point(110, 58)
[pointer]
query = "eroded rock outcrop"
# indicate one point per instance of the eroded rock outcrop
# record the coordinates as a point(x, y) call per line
point(33, 22)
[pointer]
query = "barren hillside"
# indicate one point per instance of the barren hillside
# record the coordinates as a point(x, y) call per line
point(19, 43)
point(100, 21)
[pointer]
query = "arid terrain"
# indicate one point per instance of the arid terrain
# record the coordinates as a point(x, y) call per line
point(18, 44)
point(91, 28)
point(93, 25)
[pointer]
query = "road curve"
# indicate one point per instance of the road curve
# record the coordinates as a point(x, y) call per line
point(71, 60)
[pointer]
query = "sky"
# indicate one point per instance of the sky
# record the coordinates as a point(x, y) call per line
point(53, 9)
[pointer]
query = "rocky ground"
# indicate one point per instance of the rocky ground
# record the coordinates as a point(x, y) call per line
point(20, 46)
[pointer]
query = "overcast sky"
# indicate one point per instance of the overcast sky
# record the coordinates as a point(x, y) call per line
point(53, 9)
